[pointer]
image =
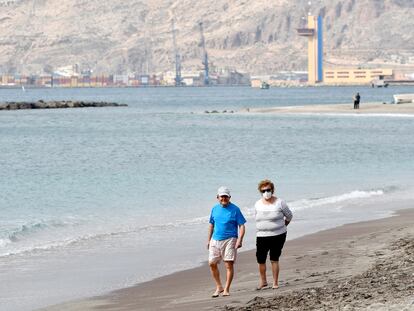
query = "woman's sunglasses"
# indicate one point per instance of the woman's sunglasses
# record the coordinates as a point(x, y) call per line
point(265, 190)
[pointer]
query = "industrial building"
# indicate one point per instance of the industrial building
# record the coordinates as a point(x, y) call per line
point(355, 75)
point(61, 78)
point(334, 76)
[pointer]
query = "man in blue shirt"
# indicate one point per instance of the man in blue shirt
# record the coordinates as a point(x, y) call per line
point(226, 221)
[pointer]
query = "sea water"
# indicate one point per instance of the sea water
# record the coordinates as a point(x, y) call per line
point(96, 199)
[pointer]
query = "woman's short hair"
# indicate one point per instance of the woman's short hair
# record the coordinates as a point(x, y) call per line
point(265, 183)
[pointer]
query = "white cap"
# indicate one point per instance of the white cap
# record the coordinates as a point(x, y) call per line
point(223, 191)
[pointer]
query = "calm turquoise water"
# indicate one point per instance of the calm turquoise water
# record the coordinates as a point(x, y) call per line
point(97, 199)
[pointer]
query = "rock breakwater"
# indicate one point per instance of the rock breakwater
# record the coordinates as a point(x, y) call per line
point(56, 104)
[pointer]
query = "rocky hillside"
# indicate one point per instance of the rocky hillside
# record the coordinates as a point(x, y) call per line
point(255, 36)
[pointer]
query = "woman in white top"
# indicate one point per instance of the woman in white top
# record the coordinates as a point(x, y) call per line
point(272, 217)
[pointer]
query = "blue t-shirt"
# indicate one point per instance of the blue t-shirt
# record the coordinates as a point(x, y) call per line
point(226, 221)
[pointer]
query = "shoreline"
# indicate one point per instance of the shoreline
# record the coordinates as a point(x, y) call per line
point(316, 260)
point(369, 108)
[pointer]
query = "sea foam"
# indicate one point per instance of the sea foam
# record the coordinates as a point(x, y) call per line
point(356, 194)
point(25, 231)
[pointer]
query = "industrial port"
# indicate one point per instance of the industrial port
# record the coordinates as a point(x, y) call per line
point(206, 73)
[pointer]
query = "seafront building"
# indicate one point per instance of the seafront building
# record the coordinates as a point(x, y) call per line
point(72, 76)
point(354, 76)
point(65, 77)
point(317, 74)
point(81, 80)
point(331, 76)
point(375, 77)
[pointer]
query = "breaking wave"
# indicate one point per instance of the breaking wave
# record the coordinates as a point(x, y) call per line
point(357, 194)
point(24, 232)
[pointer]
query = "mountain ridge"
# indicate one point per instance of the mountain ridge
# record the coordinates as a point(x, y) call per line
point(257, 36)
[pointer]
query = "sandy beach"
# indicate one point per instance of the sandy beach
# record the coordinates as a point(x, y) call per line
point(360, 266)
point(365, 108)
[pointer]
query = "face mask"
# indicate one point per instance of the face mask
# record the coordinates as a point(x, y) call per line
point(267, 195)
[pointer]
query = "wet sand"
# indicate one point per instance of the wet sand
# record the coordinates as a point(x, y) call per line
point(365, 108)
point(361, 266)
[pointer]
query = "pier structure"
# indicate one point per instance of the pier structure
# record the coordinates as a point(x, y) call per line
point(313, 32)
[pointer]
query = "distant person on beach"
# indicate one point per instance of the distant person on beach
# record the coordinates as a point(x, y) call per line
point(357, 99)
point(225, 235)
point(272, 217)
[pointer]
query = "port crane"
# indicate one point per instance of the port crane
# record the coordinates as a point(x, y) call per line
point(178, 79)
point(205, 55)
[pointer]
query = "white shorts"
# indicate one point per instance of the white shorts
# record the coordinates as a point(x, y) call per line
point(225, 249)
